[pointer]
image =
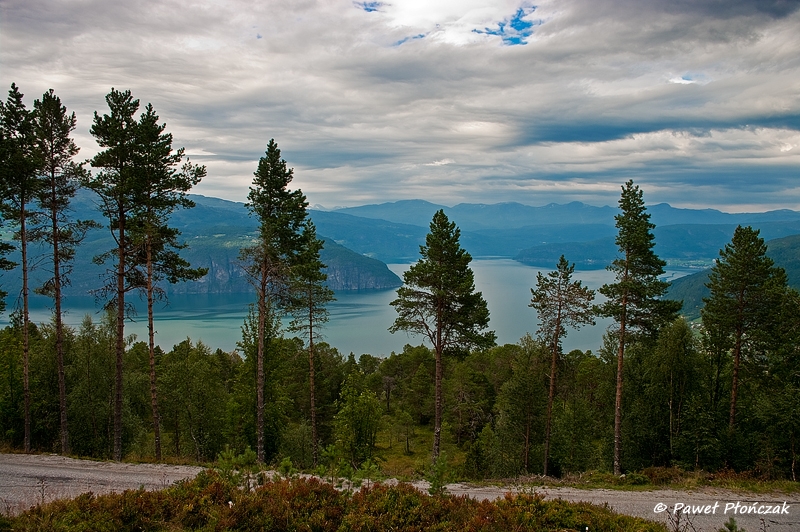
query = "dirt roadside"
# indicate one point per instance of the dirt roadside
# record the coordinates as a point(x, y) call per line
point(26, 480)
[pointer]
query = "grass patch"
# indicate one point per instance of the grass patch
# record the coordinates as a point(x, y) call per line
point(396, 462)
point(668, 478)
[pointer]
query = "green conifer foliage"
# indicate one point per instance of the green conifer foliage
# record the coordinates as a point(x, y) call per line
point(634, 299)
point(19, 185)
point(746, 291)
point(439, 302)
point(309, 295)
point(281, 214)
point(561, 304)
point(163, 190)
point(60, 181)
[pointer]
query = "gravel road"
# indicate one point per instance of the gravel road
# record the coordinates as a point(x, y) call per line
point(29, 479)
point(26, 480)
point(644, 504)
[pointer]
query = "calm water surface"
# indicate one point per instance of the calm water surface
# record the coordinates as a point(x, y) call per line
point(358, 320)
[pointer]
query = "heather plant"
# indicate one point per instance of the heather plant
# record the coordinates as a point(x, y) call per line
point(212, 502)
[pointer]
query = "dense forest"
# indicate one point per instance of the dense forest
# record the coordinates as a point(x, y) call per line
point(718, 393)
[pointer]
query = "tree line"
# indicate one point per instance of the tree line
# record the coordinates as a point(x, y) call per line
point(658, 392)
point(139, 181)
point(713, 395)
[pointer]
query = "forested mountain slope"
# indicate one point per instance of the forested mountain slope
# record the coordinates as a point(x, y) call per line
point(692, 288)
point(214, 231)
point(360, 239)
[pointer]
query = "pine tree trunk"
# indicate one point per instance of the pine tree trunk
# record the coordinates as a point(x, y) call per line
point(314, 450)
point(62, 387)
point(437, 424)
point(527, 448)
point(550, 396)
point(26, 389)
point(618, 398)
point(152, 348)
point(737, 353)
point(262, 316)
point(177, 435)
point(120, 340)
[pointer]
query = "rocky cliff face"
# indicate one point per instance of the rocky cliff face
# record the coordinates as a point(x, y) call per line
point(346, 270)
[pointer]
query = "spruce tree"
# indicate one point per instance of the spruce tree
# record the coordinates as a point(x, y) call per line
point(561, 304)
point(281, 215)
point(439, 301)
point(634, 299)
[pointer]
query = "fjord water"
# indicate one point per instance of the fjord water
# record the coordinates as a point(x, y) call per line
point(359, 321)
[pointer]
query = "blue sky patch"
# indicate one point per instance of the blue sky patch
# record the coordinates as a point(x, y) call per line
point(369, 7)
point(411, 38)
point(516, 30)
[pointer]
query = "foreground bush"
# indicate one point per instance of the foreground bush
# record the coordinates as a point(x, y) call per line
point(209, 502)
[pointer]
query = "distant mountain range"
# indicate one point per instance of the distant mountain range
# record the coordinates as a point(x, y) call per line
point(359, 241)
point(539, 235)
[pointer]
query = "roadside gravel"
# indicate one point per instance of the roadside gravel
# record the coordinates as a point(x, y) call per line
point(645, 503)
point(29, 479)
point(26, 480)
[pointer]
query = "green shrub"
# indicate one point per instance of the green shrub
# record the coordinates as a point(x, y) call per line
point(636, 479)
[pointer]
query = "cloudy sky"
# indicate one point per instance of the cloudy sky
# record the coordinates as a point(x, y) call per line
point(452, 101)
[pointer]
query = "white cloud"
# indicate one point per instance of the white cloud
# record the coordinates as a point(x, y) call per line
point(602, 91)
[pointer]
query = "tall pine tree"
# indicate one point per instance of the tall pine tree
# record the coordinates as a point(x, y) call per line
point(746, 290)
point(561, 304)
point(20, 183)
point(281, 215)
point(120, 192)
point(439, 301)
point(634, 299)
point(164, 188)
point(53, 128)
point(309, 295)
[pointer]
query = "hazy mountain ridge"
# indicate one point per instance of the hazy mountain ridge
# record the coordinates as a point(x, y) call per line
point(691, 245)
point(214, 231)
point(359, 238)
point(477, 216)
point(539, 235)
